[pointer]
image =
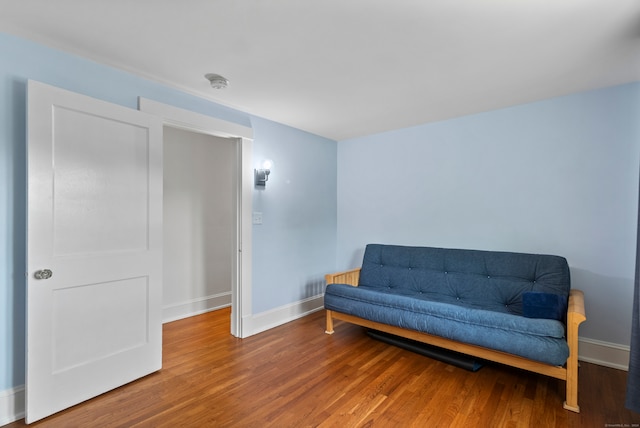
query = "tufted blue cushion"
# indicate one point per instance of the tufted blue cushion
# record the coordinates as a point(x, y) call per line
point(491, 280)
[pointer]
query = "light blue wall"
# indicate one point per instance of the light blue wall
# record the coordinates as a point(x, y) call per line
point(299, 214)
point(558, 176)
point(21, 60)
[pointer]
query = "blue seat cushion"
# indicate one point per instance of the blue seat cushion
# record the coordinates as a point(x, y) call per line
point(537, 339)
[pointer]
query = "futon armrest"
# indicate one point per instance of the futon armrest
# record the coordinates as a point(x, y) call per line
point(349, 277)
point(575, 317)
point(575, 309)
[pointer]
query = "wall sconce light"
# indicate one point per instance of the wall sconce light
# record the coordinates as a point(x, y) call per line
point(262, 175)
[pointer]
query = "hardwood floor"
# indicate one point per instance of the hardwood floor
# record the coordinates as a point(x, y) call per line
point(297, 376)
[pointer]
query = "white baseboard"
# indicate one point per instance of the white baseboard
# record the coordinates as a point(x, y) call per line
point(282, 315)
point(11, 405)
point(195, 307)
point(604, 353)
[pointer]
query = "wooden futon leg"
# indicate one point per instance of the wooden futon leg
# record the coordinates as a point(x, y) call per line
point(329, 329)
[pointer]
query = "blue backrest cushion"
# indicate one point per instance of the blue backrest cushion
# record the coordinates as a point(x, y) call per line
point(487, 279)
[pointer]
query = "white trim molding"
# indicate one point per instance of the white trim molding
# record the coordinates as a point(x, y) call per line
point(193, 307)
point(11, 405)
point(604, 353)
point(283, 314)
point(187, 119)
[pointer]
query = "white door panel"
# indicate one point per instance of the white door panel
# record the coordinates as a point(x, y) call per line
point(101, 170)
point(95, 221)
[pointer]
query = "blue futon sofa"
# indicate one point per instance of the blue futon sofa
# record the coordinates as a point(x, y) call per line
point(512, 308)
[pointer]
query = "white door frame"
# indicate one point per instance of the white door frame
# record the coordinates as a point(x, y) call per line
point(243, 185)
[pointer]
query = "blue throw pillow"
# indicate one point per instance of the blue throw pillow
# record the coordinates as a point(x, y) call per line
point(544, 305)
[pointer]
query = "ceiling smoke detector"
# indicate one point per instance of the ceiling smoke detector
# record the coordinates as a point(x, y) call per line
point(217, 81)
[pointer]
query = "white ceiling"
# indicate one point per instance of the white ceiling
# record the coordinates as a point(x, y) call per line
point(347, 68)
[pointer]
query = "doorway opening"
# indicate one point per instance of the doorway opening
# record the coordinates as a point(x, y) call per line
point(184, 122)
point(198, 222)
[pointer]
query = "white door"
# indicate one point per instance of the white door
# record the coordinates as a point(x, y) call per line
point(94, 257)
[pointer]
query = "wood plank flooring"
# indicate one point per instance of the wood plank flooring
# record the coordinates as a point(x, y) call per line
point(297, 376)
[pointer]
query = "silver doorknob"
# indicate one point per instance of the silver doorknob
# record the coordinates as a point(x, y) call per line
point(43, 274)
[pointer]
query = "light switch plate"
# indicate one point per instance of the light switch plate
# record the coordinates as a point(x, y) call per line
point(257, 217)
